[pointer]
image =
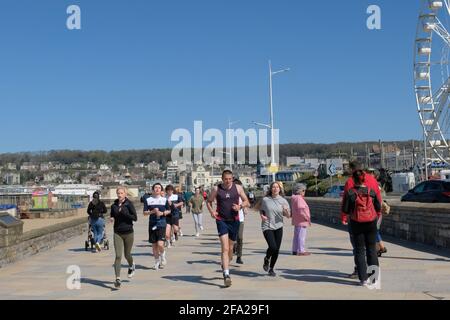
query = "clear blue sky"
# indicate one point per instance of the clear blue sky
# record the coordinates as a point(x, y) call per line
point(139, 69)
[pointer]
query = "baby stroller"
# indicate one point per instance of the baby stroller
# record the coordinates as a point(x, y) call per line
point(90, 243)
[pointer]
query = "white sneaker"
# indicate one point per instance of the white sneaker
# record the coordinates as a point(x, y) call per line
point(169, 244)
point(163, 260)
point(197, 235)
point(157, 265)
point(201, 228)
point(181, 233)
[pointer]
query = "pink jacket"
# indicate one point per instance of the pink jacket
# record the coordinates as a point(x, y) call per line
point(301, 216)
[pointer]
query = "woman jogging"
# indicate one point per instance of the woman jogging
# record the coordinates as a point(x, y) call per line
point(123, 214)
point(273, 208)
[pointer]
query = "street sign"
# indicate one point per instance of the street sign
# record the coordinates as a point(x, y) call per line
point(332, 169)
point(273, 169)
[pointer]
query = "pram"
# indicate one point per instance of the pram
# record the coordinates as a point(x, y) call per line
point(90, 243)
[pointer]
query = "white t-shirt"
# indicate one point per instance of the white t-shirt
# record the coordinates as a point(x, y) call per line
point(241, 212)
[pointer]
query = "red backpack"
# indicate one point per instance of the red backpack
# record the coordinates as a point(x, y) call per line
point(364, 209)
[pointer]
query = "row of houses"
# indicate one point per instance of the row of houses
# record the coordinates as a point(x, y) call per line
point(56, 166)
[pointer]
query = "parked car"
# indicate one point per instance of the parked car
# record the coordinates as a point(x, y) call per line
point(335, 192)
point(433, 191)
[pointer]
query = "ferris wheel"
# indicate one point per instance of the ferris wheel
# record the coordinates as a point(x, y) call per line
point(432, 76)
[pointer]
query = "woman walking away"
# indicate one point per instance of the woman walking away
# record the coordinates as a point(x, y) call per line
point(362, 204)
point(196, 203)
point(96, 211)
point(301, 220)
point(123, 214)
point(273, 208)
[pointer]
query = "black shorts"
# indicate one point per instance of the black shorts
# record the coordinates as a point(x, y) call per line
point(159, 234)
point(228, 227)
point(173, 221)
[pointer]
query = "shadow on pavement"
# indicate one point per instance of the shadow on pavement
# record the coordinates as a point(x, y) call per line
point(339, 254)
point(142, 254)
point(203, 262)
point(420, 259)
point(80, 250)
point(330, 249)
point(248, 274)
point(217, 253)
point(310, 275)
point(138, 267)
point(196, 280)
point(102, 284)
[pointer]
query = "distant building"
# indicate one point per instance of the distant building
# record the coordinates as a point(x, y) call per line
point(76, 189)
point(11, 166)
point(172, 172)
point(29, 166)
point(153, 166)
point(105, 167)
point(45, 167)
point(91, 166)
point(52, 177)
point(12, 178)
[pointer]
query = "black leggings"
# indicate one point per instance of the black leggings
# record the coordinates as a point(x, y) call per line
point(364, 237)
point(273, 238)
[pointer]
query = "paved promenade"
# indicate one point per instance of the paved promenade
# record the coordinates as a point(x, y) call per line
point(193, 270)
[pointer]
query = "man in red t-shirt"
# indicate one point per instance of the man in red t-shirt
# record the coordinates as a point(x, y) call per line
point(369, 182)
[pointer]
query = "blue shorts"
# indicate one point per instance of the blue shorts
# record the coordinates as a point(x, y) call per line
point(228, 227)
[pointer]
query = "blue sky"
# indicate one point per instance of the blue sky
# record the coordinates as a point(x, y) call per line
point(140, 69)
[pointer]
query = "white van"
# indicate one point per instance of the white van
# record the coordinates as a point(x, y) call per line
point(445, 175)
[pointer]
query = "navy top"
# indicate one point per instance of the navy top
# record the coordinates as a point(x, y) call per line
point(153, 203)
point(225, 200)
point(175, 199)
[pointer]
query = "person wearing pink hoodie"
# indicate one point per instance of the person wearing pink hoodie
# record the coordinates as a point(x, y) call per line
point(301, 220)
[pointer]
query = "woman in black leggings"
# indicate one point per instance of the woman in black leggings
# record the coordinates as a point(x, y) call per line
point(273, 208)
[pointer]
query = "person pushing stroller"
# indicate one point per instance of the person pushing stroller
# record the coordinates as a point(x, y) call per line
point(96, 211)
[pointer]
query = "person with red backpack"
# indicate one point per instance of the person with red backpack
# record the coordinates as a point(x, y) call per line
point(363, 206)
point(370, 182)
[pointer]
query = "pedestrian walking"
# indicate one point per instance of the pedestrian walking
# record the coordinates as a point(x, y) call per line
point(363, 206)
point(301, 220)
point(96, 211)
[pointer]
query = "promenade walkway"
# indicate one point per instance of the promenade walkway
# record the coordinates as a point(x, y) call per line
point(193, 270)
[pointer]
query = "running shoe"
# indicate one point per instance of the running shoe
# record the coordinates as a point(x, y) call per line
point(157, 265)
point(239, 260)
point(163, 260)
point(266, 264)
point(197, 235)
point(181, 233)
point(131, 271)
point(227, 280)
point(97, 246)
point(117, 283)
point(272, 273)
point(354, 275)
point(201, 228)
